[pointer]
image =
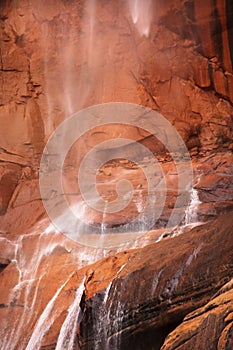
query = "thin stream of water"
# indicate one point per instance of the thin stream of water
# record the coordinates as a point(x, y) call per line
point(67, 333)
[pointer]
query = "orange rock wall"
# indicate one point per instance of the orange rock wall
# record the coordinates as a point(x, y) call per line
point(59, 57)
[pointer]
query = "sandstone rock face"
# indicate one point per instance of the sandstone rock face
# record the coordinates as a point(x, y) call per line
point(10, 176)
point(119, 298)
point(209, 327)
point(183, 70)
point(59, 57)
point(167, 278)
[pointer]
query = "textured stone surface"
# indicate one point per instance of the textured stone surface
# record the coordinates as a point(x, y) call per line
point(59, 57)
point(125, 295)
point(183, 70)
point(10, 175)
point(172, 277)
point(210, 327)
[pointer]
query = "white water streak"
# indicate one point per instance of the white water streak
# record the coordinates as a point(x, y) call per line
point(103, 223)
point(141, 13)
point(68, 330)
point(191, 211)
point(45, 321)
point(174, 281)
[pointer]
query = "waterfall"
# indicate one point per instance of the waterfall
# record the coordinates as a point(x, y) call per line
point(30, 263)
point(191, 212)
point(141, 14)
point(29, 277)
point(32, 267)
point(103, 223)
point(140, 203)
point(68, 330)
point(44, 323)
point(190, 216)
point(108, 318)
point(174, 281)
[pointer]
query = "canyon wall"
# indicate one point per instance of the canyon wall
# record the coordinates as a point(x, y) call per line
point(58, 57)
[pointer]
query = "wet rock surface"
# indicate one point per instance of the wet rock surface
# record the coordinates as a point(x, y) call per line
point(124, 295)
point(177, 71)
point(157, 287)
point(53, 64)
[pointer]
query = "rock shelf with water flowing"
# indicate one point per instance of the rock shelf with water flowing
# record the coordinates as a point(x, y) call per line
point(157, 273)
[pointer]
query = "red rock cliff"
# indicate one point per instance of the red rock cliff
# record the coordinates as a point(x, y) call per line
point(58, 57)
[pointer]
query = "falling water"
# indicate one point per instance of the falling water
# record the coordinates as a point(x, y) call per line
point(68, 330)
point(29, 277)
point(174, 281)
point(32, 267)
point(109, 325)
point(139, 203)
point(141, 13)
point(140, 208)
point(29, 270)
point(91, 10)
point(45, 321)
point(191, 212)
point(190, 216)
point(103, 223)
